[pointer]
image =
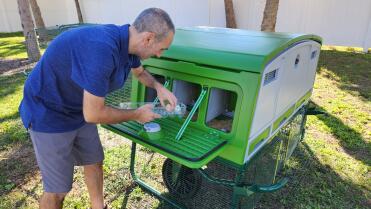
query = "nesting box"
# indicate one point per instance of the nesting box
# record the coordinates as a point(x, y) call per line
point(241, 88)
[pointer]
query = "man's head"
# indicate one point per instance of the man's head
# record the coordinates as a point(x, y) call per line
point(154, 32)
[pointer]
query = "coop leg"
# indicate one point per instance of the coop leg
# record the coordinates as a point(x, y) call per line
point(142, 184)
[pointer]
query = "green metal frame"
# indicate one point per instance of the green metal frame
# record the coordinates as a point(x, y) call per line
point(145, 186)
point(239, 189)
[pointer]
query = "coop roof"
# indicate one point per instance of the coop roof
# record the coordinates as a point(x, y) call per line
point(235, 49)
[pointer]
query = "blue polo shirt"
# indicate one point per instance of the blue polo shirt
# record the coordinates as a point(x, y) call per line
point(93, 58)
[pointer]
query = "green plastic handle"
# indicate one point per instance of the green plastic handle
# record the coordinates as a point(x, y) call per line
point(272, 188)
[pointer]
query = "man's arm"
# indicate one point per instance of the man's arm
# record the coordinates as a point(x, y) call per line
point(148, 80)
point(145, 78)
point(95, 111)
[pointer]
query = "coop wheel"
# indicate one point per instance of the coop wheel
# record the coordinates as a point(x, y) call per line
point(183, 185)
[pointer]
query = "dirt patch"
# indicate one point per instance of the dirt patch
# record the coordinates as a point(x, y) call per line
point(11, 66)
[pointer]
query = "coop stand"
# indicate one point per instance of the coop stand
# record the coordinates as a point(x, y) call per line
point(144, 185)
point(239, 189)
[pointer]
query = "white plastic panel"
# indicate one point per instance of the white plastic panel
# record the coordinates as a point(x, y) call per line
point(265, 106)
point(295, 75)
point(217, 103)
point(312, 66)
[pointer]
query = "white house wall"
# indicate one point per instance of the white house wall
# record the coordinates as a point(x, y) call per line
point(54, 12)
point(338, 22)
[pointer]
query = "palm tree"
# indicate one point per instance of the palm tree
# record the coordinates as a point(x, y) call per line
point(39, 21)
point(79, 14)
point(270, 15)
point(32, 46)
point(229, 14)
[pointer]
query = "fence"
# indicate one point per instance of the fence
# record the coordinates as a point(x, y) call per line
point(339, 22)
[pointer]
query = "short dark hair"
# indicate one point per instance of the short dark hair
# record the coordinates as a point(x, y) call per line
point(154, 20)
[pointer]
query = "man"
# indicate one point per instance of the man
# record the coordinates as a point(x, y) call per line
point(64, 97)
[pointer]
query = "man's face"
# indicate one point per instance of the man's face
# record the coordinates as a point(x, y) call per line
point(152, 47)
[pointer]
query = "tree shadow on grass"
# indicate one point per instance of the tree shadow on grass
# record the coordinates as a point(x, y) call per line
point(9, 48)
point(353, 69)
point(10, 84)
point(9, 117)
point(351, 140)
point(11, 34)
point(315, 185)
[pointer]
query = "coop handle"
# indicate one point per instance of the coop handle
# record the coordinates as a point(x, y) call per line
point(271, 188)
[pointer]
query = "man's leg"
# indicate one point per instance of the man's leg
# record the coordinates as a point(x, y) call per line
point(88, 152)
point(54, 157)
point(94, 182)
point(52, 200)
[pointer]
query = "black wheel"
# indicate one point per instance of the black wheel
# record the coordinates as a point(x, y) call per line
point(184, 184)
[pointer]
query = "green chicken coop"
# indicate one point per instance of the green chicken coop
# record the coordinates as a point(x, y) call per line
point(246, 95)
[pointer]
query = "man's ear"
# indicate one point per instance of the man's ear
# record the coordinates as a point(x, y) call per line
point(149, 38)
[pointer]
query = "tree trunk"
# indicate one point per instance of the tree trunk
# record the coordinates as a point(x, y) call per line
point(32, 46)
point(229, 14)
point(270, 15)
point(39, 21)
point(79, 14)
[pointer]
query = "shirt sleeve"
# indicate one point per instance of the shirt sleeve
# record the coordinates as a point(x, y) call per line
point(135, 63)
point(92, 66)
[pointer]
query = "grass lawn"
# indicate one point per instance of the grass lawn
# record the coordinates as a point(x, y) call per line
point(330, 169)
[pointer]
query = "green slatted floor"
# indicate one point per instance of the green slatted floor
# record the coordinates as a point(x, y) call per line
point(194, 149)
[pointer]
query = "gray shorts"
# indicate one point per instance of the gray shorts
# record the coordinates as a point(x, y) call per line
point(58, 153)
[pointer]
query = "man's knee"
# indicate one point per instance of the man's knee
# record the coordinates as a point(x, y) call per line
point(98, 165)
point(55, 196)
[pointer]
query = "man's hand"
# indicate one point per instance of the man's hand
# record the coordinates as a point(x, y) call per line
point(145, 114)
point(167, 98)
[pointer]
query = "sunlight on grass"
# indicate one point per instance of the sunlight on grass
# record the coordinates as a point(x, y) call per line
point(9, 103)
point(11, 128)
point(342, 48)
point(13, 47)
point(349, 109)
point(340, 161)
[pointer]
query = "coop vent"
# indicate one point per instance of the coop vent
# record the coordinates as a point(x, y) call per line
point(271, 76)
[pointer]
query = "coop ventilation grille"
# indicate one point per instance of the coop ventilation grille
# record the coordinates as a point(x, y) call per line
point(271, 76)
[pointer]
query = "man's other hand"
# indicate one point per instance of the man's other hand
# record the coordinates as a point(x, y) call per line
point(145, 114)
point(166, 97)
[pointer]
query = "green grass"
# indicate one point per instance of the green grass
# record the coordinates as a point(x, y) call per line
point(12, 47)
point(330, 169)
